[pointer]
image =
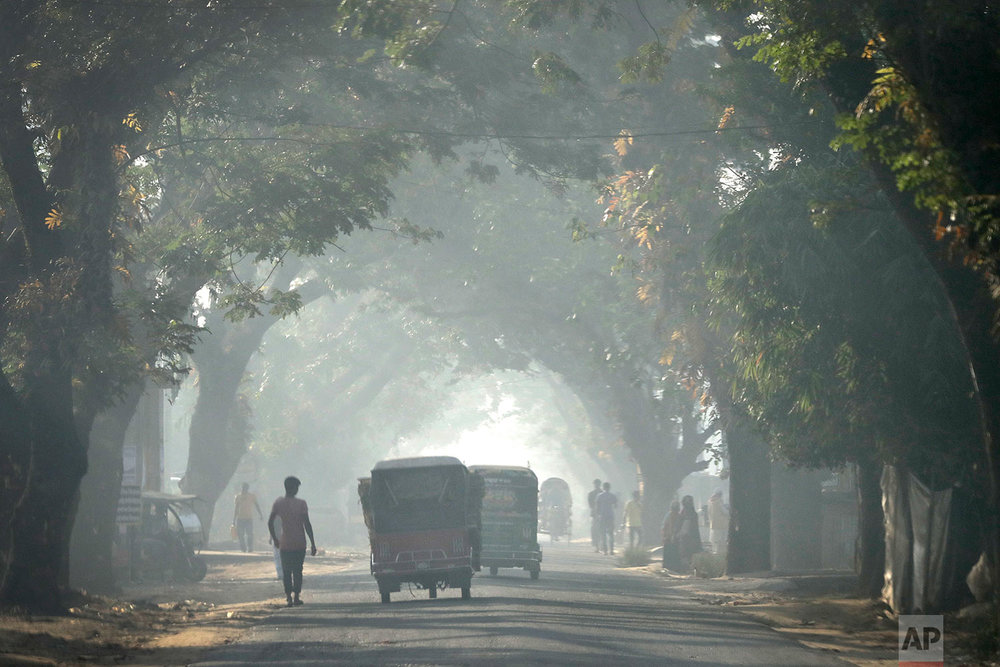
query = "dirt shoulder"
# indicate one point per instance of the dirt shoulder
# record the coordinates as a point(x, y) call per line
point(159, 623)
point(820, 610)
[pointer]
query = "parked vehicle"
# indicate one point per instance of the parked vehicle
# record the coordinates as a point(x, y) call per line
point(555, 508)
point(423, 519)
point(510, 519)
point(170, 537)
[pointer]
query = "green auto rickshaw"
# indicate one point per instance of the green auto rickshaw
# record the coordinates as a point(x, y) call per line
point(510, 519)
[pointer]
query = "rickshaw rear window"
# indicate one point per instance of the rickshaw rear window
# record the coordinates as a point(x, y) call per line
point(507, 498)
point(418, 498)
point(399, 487)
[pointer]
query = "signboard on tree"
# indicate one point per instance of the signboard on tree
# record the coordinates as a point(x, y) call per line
point(129, 505)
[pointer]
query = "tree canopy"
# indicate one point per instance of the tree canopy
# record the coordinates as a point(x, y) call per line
point(178, 177)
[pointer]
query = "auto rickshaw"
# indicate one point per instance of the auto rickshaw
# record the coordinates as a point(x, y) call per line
point(170, 538)
point(510, 519)
point(555, 508)
point(423, 519)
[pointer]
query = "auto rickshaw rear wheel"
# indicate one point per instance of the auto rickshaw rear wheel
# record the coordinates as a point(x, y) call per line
point(493, 571)
point(196, 569)
point(385, 597)
point(432, 591)
point(535, 573)
point(466, 592)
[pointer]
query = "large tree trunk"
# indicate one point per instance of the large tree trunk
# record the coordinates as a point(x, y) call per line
point(750, 501)
point(214, 453)
point(661, 483)
point(41, 523)
point(15, 461)
point(796, 518)
point(19, 430)
point(664, 467)
point(95, 530)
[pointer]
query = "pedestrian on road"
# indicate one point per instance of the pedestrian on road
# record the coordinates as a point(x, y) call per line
point(632, 520)
point(294, 515)
point(606, 504)
point(671, 524)
point(688, 535)
point(595, 525)
point(244, 505)
point(718, 523)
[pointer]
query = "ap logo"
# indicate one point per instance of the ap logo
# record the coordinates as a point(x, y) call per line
point(921, 641)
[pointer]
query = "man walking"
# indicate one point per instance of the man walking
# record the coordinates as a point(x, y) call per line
point(595, 527)
point(606, 503)
point(245, 504)
point(632, 520)
point(294, 515)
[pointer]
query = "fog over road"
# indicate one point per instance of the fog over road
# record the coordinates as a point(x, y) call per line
point(582, 611)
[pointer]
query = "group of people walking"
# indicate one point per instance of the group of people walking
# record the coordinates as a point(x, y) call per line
point(681, 531)
point(603, 505)
point(602, 517)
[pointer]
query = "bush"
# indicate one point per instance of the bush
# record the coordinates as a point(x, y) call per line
point(634, 557)
point(707, 565)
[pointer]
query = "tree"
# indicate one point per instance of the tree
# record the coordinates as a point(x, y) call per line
point(82, 81)
point(902, 79)
point(57, 250)
point(651, 204)
point(827, 321)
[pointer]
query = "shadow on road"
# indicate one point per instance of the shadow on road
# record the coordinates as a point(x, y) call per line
point(583, 611)
point(543, 632)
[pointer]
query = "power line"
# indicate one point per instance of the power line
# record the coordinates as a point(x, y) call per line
point(484, 135)
point(210, 5)
point(583, 137)
point(205, 5)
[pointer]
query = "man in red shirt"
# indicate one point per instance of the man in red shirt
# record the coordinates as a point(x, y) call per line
point(294, 515)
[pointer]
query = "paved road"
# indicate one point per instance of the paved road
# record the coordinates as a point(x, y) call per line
point(582, 611)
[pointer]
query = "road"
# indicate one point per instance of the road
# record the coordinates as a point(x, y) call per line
point(582, 611)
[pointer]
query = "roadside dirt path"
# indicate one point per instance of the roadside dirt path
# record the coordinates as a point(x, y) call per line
point(159, 623)
point(817, 611)
point(820, 610)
